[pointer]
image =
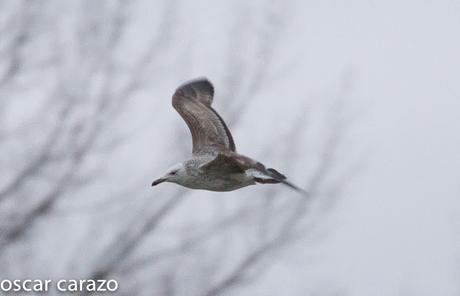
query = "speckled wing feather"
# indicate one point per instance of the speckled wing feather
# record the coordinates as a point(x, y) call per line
point(224, 163)
point(193, 102)
point(228, 161)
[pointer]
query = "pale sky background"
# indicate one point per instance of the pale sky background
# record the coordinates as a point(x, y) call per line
point(396, 233)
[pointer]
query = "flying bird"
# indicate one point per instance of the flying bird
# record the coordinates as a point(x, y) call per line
point(215, 165)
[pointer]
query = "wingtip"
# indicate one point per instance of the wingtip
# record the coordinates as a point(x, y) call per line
point(200, 89)
point(200, 83)
point(296, 188)
point(276, 174)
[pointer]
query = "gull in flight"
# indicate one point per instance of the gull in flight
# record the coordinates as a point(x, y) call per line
point(215, 165)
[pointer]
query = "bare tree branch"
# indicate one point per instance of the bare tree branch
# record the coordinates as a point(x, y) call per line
point(88, 85)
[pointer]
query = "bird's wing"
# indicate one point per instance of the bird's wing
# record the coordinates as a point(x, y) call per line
point(193, 102)
point(224, 163)
point(228, 161)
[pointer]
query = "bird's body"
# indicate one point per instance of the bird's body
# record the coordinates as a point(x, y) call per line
point(214, 181)
point(195, 177)
point(215, 165)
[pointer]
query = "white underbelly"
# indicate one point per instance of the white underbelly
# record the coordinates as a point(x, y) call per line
point(220, 183)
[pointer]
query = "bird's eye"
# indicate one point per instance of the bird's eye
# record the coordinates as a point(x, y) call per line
point(173, 173)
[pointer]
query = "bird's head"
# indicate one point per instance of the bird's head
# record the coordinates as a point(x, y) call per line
point(174, 174)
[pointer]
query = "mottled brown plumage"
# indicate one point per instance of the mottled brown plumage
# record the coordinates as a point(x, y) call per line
point(215, 164)
point(193, 102)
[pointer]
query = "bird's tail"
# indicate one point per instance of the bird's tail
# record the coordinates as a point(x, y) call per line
point(275, 177)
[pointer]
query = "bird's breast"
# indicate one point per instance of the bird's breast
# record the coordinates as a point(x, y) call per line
point(218, 183)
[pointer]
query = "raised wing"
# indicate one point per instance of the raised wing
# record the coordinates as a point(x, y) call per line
point(193, 102)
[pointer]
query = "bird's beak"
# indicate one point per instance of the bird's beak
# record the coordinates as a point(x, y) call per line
point(158, 181)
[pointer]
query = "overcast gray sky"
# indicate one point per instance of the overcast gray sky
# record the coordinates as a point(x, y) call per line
point(396, 231)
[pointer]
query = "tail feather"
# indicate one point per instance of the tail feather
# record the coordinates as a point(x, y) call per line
point(275, 177)
point(275, 174)
point(266, 181)
point(289, 184)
